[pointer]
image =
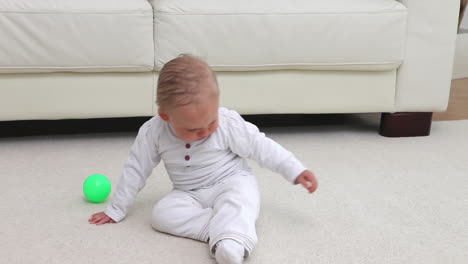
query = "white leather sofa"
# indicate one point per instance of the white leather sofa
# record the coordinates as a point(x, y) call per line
point(68, 59)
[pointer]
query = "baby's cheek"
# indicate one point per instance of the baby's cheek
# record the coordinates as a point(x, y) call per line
point(213, 129)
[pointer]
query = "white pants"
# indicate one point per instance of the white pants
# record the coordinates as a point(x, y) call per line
point(228, 209)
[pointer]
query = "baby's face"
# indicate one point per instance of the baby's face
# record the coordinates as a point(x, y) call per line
point(195, 121)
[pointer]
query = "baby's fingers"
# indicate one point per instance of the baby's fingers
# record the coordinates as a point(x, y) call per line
point(102, 221)
point(310, 185)
point(96, 214)
point(97, 217)
point(93, 220)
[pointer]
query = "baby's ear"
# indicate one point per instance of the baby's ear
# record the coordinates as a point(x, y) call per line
point(163, 116)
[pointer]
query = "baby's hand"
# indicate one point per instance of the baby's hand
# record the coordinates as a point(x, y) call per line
point(100, 219)
point(308, 180)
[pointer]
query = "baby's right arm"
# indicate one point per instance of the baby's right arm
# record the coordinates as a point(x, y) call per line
point(141, 161)
point(143, 158)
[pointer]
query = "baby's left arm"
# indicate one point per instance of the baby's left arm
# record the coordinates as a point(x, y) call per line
point(248, 142)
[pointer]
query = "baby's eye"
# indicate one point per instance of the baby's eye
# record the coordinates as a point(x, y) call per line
point(192, 130)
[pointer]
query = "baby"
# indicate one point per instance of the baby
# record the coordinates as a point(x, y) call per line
point(204, 147)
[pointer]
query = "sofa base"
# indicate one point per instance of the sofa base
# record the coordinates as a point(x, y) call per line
point(105, 95)
point(405, 124)
point(308, 92)
point(37, 96)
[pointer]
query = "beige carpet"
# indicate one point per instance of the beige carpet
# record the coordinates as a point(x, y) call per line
point(380, 200)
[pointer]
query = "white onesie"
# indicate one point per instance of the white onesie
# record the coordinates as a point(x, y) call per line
point(196, 170)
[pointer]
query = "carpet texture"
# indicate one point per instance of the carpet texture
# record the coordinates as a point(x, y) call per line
point(380, 200)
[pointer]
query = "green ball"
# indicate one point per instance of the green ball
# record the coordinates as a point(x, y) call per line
point(96, 188)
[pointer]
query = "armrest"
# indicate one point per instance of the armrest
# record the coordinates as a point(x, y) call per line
point(424, 78)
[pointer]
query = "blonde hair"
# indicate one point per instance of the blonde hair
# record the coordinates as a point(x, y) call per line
point(180, 80)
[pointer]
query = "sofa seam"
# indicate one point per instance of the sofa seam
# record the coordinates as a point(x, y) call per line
point(286, 14)
point(126, 12)
point(73, 67)
point(305, 64)
point(153, 99)
point(154, 85)
point(217, 65)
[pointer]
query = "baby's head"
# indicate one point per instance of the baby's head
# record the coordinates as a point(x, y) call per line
point(188, 97)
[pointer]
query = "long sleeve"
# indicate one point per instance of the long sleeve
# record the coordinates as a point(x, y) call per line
point(248, 142)
point(143, 158)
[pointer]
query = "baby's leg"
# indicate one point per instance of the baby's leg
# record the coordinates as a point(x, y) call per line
point(236, 209)
point(180, 214)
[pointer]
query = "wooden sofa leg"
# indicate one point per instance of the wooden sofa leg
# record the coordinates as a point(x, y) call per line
point(405, 124)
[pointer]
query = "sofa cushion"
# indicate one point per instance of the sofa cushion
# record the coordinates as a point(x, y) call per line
point(276, 34)
point(71, 35)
